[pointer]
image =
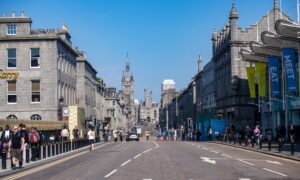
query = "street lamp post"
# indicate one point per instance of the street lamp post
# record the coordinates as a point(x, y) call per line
point(61, 105)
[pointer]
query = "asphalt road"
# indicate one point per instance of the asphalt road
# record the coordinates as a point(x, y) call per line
point(166, 161)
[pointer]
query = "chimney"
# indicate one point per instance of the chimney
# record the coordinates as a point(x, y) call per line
point(200, 69)
point(4, 14)
point(13, 14)
point(22, 13)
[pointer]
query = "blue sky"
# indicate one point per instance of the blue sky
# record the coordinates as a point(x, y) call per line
point(162, 37)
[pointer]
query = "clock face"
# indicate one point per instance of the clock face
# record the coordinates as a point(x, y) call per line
point(66, 111)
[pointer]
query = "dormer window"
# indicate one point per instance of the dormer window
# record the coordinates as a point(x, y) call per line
point(11, 29)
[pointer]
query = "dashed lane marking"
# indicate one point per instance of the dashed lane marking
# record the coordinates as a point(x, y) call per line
point(225, 155)
point(156, 145)
point(137, 156)
point(126, 162)
point(244, 179)
point(109, 174)
point(215, 152)
point(275, 172)
point(246, 162)
point(147, 150)
point(117, 146)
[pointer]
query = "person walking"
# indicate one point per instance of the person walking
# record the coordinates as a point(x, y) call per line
point(24, 134)
point(147, 133)
point(91, 136)
point(256, 134)
point(115, 134)
point(76, 133)
point(65, 133)
point(5, 139)
point(16, 147)
point(34, 139)
point(121, 136)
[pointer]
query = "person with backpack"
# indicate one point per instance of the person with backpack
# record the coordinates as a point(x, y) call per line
point(34, 139)
point(16, 147)
point(256, 134)
point(5, 139)
point(76, 133)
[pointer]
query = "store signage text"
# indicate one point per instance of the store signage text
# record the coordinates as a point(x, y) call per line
point(9, 75)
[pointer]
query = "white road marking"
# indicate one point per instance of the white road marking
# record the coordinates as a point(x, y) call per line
point(117, 146)
point(214, 152)
point(137, 156)
point(205, 159)
point(198, 146)
point(244, 179)
point(273, 162)
point(204, 148)
point(275, 172)
point(225, 155)
point(147, 150)
point(109, 174)
point(126, 162)
point(147, 179)
point(156, 145)
point(246, 162)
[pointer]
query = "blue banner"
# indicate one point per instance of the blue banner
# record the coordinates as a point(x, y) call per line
point(274, 74)
point(288, 56)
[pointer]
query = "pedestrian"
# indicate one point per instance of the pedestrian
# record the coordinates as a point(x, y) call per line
point(5, 139)
point(121, 136)
point(256, 134)
point(65, 133)
point(91, 136)
point(217, 135)
point(34, 139)
point(115, 134)
point(147, 133)
point(24, 134)
point(16, 146)
point(76, 133)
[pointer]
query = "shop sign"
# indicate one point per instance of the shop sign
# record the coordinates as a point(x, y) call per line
point(9, 75)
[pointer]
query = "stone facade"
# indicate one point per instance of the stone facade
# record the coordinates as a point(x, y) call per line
point(86, 87)
point(51, 73)
point(232, 94)
point(148, 110)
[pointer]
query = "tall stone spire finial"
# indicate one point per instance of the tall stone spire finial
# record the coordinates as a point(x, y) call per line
point(276, 4)
point(200, 68)
point(233, 12)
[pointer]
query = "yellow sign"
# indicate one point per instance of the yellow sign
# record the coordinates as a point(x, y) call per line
point(8, 75)
point(251, 81)
point(261, 77)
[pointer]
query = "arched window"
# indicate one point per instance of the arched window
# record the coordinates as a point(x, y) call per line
point(11, 116)
point(36, 117)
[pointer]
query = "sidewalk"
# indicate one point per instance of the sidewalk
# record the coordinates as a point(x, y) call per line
point(285, 153)
point(31, 164)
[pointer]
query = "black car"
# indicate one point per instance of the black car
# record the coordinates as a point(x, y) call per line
point(132, 137)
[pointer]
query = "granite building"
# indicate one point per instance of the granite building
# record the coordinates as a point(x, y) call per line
point(45, 62)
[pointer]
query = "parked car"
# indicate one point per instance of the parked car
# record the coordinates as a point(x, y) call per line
point(132, 137)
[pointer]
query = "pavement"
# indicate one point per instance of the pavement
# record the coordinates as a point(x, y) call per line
point(285, 153)
point(165, 160)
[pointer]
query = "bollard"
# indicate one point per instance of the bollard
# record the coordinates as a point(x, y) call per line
point(269, 145)
point(279, 144)
point(56, 152)
point(27, 154)
point(64, 147)
point(240, 140)
point(52, 149)
point(4, 159)
point(260, 141)
point(246, 141)
point(49, 150)
point(39, 152)
point(70, 147)
point(292, 144)
point(44, 151)
point(60, 148)
point(252, 141)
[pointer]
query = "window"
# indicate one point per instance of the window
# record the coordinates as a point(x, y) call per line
point(11, 29)
point(35, 91)
point(11, 58)
point(11, 92)
point(11, 116)
point(35, 56)
point(36, 117)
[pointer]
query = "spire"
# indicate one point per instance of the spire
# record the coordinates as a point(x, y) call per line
point(233, 12)
point(275, 4)
point(200, 64)
point(127, 67)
